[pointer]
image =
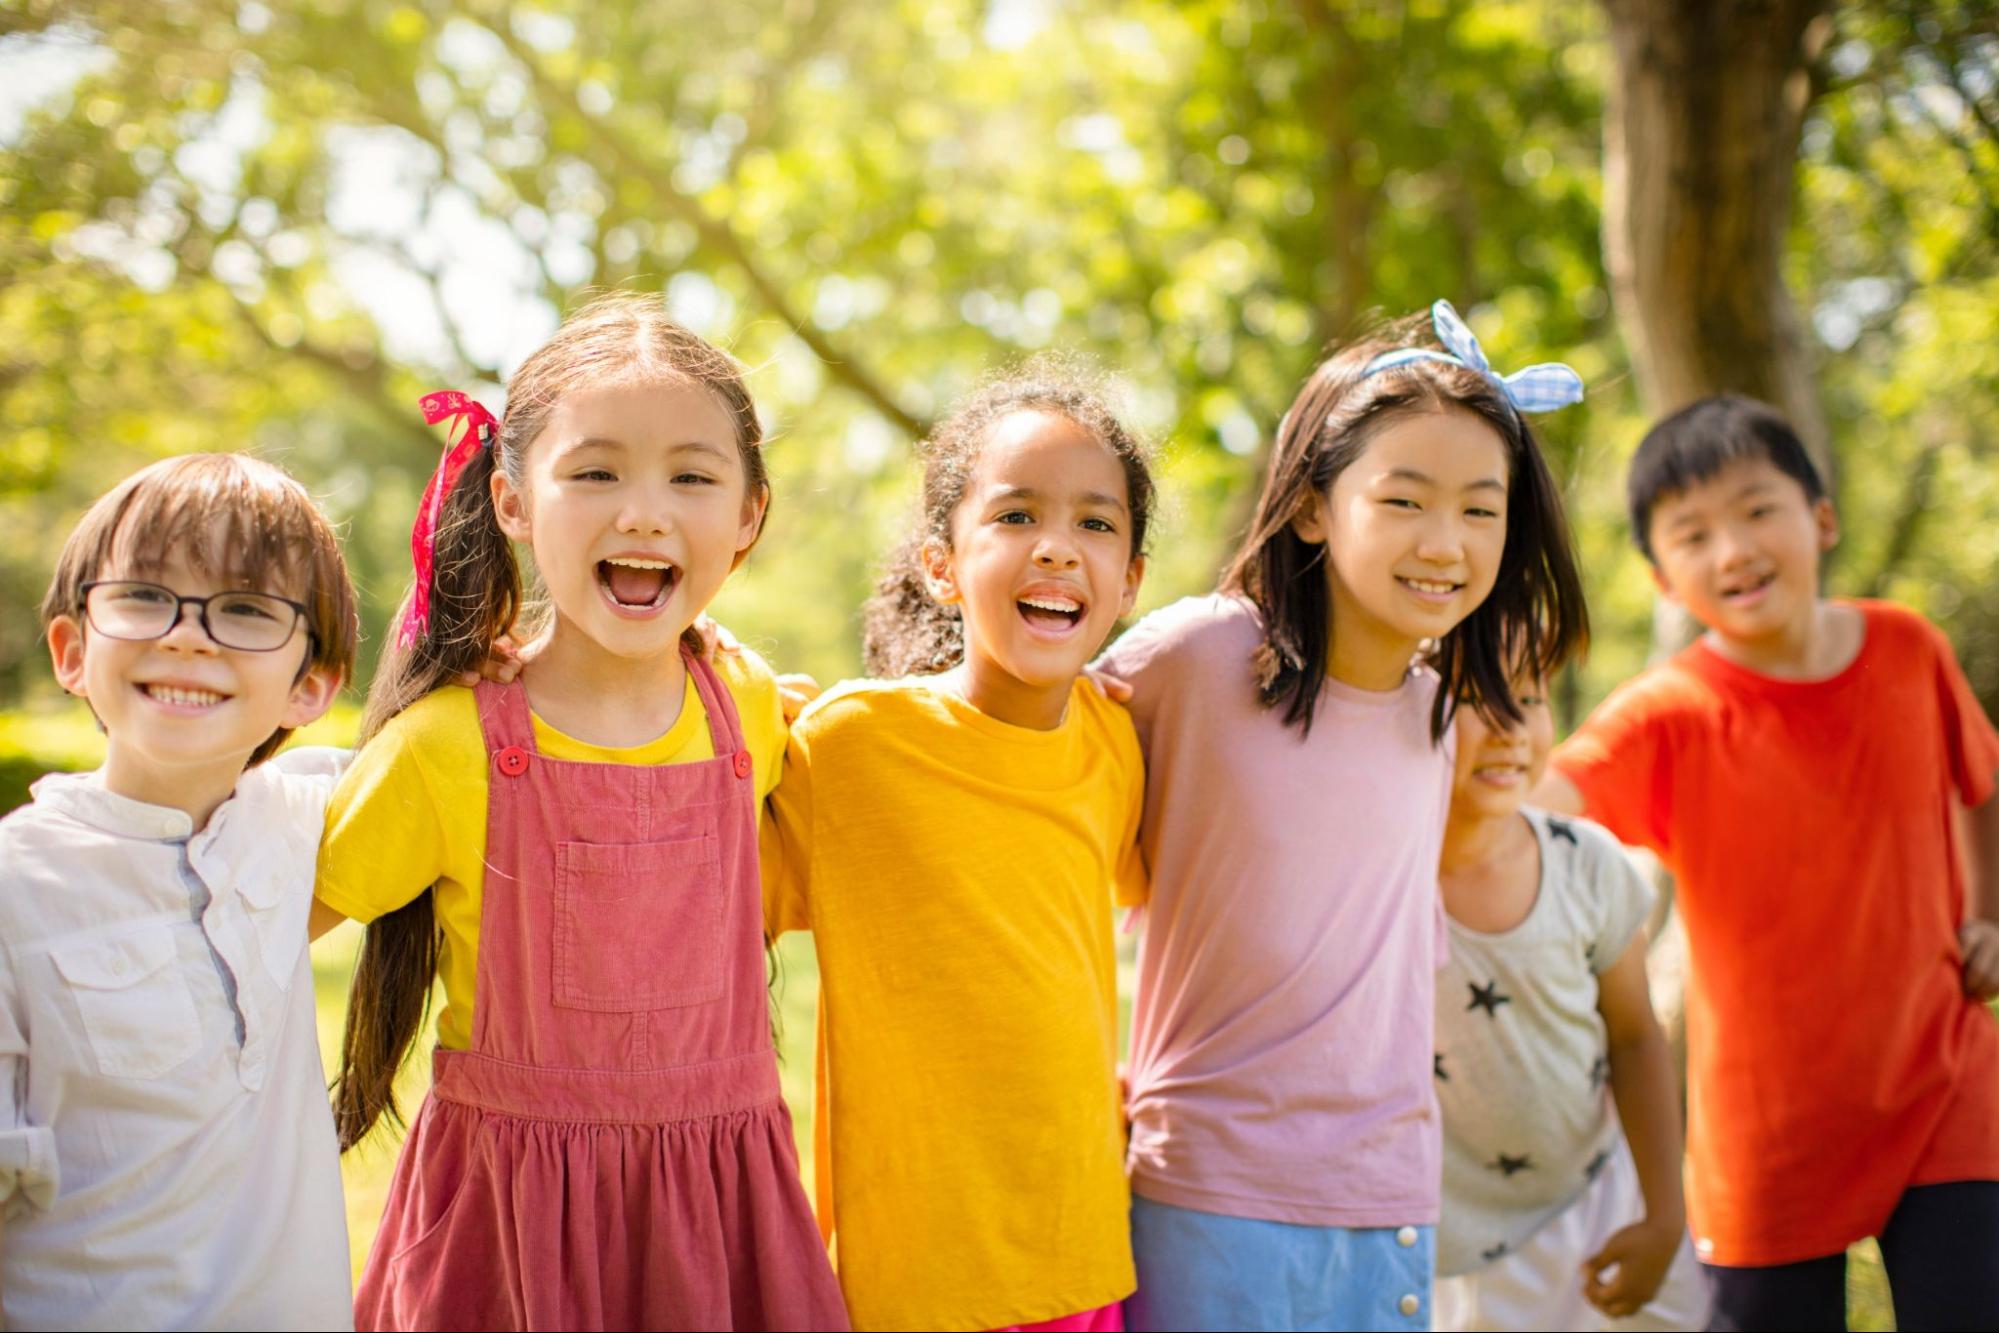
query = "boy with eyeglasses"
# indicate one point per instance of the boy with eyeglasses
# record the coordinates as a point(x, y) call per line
point(167, 1155)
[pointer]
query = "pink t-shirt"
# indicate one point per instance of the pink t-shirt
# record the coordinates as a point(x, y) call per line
point(1281, 1054)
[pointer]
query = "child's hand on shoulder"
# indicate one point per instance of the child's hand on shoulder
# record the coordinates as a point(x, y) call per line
point(1641, 1253)
point(1114, 688)
point(1979, 940)
point(503, 662)
point(796, 689)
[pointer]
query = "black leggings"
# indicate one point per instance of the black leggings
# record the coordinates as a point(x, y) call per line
point(1941, 1250)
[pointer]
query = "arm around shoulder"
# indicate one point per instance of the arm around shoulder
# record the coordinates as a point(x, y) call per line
point(1618, 767)
point(390, 819)
point(785, 839)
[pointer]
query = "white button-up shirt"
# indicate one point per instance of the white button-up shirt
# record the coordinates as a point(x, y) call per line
point(167, 1154)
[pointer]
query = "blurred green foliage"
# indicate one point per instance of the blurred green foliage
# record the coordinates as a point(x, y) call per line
point(231, 224)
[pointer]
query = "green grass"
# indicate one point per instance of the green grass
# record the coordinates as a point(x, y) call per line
point(33, 742)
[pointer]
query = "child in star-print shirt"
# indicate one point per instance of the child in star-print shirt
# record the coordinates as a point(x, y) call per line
point(1551, 1219)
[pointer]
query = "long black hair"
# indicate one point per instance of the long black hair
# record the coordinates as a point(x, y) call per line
point(1534, 617)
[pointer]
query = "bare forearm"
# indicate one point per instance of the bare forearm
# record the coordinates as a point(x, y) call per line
point(1648, 1104)
point(1982, 823)
point(322, 919)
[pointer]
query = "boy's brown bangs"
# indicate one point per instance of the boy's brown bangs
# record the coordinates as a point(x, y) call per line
point(240, 535)
point(236, 519)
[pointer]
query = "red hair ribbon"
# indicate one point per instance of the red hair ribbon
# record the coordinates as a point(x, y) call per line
point(480, 430)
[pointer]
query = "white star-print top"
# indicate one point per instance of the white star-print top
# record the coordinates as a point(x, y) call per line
point(167, 1155)
point(1522, 1070)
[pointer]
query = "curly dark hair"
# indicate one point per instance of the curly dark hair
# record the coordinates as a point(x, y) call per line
point(905, 630)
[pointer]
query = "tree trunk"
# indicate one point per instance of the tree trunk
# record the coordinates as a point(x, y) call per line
point(1701, 131)
point(1700, 148)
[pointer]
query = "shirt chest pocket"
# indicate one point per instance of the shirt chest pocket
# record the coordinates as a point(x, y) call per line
point(136, 1009)
point(639, 926)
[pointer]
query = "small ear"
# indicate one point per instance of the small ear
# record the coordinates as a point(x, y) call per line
point(66, 654)
point(1134, 574)
point(310, 698)
point(939, 579)
point(1827, 519)
point(754, 506)
point(510, 508)
point(1309, 522)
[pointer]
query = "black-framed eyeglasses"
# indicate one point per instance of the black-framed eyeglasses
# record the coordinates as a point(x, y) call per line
point(251, 622)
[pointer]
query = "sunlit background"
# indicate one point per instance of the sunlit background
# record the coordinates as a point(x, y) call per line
point(257, 226)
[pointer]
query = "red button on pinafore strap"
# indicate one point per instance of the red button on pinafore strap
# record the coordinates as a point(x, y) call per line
point(513, 761)
point(742, 763)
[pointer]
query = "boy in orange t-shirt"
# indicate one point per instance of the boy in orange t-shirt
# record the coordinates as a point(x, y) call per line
point(1800, 769)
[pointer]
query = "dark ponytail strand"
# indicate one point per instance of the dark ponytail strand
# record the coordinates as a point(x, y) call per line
point(475, 596)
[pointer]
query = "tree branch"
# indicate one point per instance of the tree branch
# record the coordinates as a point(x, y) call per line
point(713, 232)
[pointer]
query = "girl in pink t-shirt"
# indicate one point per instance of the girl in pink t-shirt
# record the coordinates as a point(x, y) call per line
point(1285, 1137)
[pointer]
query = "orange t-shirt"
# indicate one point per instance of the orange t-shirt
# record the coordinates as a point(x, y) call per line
point(1834, 1059)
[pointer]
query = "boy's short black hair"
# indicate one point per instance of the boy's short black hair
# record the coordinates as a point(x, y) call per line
point(1698, 441)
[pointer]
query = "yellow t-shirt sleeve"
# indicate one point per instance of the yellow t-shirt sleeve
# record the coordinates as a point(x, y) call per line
point(388, 837)
point(785, 845)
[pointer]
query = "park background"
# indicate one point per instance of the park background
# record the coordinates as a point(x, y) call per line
point(227, 224)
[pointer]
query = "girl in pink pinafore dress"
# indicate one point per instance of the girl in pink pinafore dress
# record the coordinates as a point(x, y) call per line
point(575, 853)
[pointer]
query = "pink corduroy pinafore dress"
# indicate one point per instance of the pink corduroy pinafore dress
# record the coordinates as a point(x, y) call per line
point(612, 1150)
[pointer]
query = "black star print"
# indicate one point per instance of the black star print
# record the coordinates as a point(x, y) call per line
point(1565, 831)
point(1599, 1073)
point(1437, 1064)
point(1594, 1167)
point(1487, 997)
point(1496, 1252)
point(1511, 1166)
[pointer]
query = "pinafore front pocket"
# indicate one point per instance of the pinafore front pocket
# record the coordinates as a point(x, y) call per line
point(638, 926)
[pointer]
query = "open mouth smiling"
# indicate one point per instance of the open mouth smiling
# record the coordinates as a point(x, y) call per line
point(636, 584)
point(1050, 612)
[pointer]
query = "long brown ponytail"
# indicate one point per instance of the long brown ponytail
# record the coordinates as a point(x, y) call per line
point(477, 595)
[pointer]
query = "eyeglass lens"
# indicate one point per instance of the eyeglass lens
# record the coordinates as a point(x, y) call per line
point(247, 620)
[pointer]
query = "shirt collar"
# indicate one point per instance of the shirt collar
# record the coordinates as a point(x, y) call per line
point(83, 797)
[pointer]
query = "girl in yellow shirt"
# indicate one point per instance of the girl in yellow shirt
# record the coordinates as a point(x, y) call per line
point(954, 839)
point(604, 1144)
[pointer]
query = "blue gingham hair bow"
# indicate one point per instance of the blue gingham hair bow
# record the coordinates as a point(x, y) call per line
point(1541, 388)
